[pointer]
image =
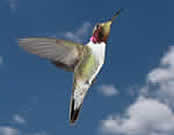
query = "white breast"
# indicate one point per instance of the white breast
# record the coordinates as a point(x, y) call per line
point(98, 51)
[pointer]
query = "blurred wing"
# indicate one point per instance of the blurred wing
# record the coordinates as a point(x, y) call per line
point(62, 53)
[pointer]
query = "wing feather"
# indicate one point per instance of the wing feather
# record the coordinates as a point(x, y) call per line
point(62, 53)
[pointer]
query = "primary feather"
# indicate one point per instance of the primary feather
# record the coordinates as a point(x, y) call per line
point(62, 53)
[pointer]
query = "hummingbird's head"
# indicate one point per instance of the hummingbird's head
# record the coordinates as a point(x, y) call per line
point(101, 30)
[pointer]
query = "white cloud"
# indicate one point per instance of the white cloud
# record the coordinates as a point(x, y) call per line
point(80, 34)
point(8, 131)
point(12, 5)
point(163, 78)
point(165, 71)
point(19, 119)
point(145, 117)
point(108, 90)
point(152, 113)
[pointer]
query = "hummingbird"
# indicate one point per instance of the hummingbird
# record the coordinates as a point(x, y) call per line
point(85, 61)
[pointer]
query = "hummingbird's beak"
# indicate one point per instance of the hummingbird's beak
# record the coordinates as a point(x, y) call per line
point(114, 17)
point(108, 23)
point(116, 14)
point(106, 26)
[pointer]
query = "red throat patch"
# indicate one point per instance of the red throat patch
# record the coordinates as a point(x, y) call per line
point(95, 37)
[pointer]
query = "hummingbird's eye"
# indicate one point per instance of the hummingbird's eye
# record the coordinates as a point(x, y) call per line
point(97, 26)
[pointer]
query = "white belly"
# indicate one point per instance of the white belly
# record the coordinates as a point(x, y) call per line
point(98, 51)
point(81, 89)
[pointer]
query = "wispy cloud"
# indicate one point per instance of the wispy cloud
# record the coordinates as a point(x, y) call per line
point(8, 130)
point(79, 34)
point(12, 5)
point(108, 90)
point(152, 112)
point(14, 130)
point(4, 130)
point(18, 119)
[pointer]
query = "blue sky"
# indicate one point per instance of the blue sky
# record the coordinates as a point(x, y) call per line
point(137, 74)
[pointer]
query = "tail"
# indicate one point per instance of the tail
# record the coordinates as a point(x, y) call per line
point(77, 99)
point(74, 112)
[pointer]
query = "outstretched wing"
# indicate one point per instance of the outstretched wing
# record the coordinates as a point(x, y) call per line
point(62, 53)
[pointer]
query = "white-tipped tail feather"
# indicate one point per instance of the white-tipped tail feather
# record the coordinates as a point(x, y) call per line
point(74, 112)
point(77, 99)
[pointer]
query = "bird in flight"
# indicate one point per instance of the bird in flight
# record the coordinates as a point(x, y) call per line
point(84, 60)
